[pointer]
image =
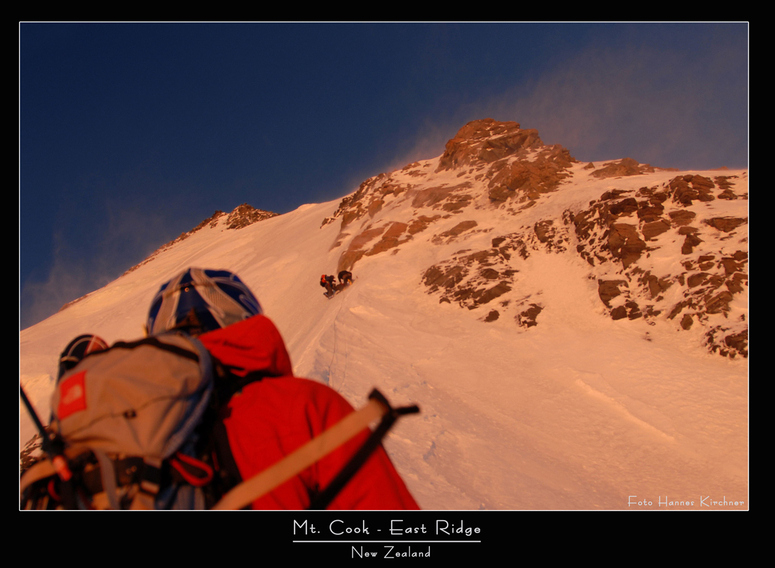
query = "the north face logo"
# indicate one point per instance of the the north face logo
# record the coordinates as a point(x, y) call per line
point(72, 395)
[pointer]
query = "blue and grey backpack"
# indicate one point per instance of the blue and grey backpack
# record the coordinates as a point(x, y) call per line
point(132, 428)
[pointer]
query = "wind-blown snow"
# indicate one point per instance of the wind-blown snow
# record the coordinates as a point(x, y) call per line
point(579, 412)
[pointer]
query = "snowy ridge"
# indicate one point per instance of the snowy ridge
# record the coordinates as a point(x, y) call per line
point(578, 410)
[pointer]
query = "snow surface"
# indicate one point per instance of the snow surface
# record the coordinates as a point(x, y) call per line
point(579, 412)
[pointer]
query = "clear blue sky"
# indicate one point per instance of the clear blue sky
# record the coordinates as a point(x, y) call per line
point(131, 134)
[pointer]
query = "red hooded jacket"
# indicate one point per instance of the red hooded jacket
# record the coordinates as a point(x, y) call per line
point(272, 417)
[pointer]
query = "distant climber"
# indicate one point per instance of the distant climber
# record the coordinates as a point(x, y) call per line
point(345, 279)
point(328, 283)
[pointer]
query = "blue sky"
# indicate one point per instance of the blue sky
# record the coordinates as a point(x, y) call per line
point(132, 133)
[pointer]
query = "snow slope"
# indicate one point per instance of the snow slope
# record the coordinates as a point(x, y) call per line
point(580, 412)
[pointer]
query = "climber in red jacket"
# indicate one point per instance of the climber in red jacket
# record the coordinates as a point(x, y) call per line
point(271, 417)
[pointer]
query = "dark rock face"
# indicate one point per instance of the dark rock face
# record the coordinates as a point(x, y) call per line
point(707, 283)
point(245, 215)
point(471, 280)
point(487, 141)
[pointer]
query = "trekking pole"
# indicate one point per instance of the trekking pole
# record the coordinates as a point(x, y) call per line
point(51, 444)
point(33, 414)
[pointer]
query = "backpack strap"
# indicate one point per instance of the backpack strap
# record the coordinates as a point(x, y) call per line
point(108, 478)
point(153, 340)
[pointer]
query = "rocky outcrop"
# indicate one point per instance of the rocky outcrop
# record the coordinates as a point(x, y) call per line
point(487, 141)
point(472, 279)
point(510, 161)
point(525, 181)
point(374, 241)
point(519, 165)
point(619, 168)
point(484, 278)
point(245, 215)
point(621, 229)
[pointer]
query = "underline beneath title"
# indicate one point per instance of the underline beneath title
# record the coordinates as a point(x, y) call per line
point(387, 541)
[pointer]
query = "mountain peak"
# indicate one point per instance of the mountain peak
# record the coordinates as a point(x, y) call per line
point(244, 215)
point(485, 141)
point(516, 162)
point(497, 161)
